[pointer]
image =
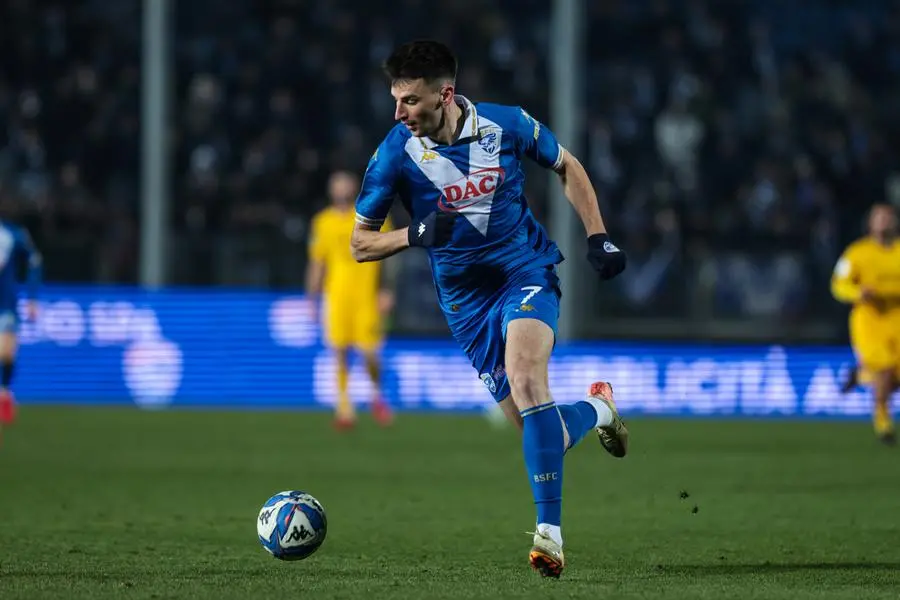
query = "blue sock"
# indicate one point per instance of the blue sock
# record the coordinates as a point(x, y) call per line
point(579, 418)
point(542, 444)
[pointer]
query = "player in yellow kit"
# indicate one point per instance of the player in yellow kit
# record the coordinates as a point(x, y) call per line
point(356, 297)
point(868, 277)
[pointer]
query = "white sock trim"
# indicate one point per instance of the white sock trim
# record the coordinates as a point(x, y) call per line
point(604, 414)
point(554, 531)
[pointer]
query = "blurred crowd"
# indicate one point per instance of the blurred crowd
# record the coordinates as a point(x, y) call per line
point(739, 145)
point(735, 145)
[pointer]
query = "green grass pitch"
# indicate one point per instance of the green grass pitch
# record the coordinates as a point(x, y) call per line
point(119, 503)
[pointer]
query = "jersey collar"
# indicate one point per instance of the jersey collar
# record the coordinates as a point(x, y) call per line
point(469, 130)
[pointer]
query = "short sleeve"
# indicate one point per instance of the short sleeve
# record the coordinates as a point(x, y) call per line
point(844, 268)
point(378, 188)
point(848, 265)
point(537, 142)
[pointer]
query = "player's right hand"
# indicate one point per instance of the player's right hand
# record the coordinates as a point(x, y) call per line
point(312, 310)
point(877, 302)
point(432, 231)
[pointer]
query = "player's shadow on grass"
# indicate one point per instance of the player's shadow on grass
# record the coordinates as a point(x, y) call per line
point(768, 568)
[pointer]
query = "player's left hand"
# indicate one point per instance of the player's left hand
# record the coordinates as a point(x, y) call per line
point(606, 259)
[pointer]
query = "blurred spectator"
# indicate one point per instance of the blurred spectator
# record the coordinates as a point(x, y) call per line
point(735, 145)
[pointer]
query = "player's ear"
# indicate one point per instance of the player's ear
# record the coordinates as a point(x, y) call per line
point(447, 93)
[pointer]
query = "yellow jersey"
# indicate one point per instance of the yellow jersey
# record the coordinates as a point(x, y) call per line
point(870, 265)
point(330, 244)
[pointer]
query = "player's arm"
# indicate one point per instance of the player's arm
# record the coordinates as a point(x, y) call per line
point(315, 275)
point(315, 267)
point(376, 195)
point(369, 243)
point(845, 285)
point(578, 189)
point(539, 144)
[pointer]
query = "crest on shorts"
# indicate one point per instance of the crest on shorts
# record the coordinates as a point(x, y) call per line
point(489, 382)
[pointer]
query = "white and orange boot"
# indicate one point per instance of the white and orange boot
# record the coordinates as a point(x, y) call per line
point(546, 556)
point(613, 437)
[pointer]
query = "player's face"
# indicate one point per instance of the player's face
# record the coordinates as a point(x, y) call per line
point(420, 104)
point(882, 221)
point(342, 189)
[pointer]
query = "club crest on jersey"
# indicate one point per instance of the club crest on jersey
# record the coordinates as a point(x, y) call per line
point(488, 140)
point(470, 190)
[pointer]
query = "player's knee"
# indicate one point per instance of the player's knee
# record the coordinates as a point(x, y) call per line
point(528, 385)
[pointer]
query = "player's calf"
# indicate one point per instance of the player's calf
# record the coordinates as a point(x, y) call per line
point(885, 384)
point(528, 346)
point(379, 407)
point(344, 411)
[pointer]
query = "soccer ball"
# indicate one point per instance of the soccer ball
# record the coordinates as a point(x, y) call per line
point(291, 525)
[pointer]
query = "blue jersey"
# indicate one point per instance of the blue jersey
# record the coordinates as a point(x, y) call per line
point(480, 177)
point(16, 246)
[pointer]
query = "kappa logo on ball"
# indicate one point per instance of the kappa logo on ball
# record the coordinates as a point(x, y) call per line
point(467, 191)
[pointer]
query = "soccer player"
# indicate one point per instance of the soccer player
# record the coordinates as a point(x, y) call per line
point(357, 297)
point(868, 276)
point(457, 168)
point(15, 246)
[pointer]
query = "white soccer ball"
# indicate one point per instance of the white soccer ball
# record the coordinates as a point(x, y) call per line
point(291, 525)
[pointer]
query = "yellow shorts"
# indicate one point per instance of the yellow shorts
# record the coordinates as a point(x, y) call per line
point(876, 341)
point(352, 322)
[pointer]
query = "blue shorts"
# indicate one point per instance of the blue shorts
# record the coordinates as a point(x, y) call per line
point(534, 294)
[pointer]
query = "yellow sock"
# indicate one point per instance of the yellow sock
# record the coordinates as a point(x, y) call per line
point(344, 406)
point(882, 419)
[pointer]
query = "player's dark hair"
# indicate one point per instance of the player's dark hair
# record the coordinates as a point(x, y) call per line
point(421, 59)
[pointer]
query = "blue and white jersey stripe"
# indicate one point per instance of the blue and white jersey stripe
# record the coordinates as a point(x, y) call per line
point(479, 177)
